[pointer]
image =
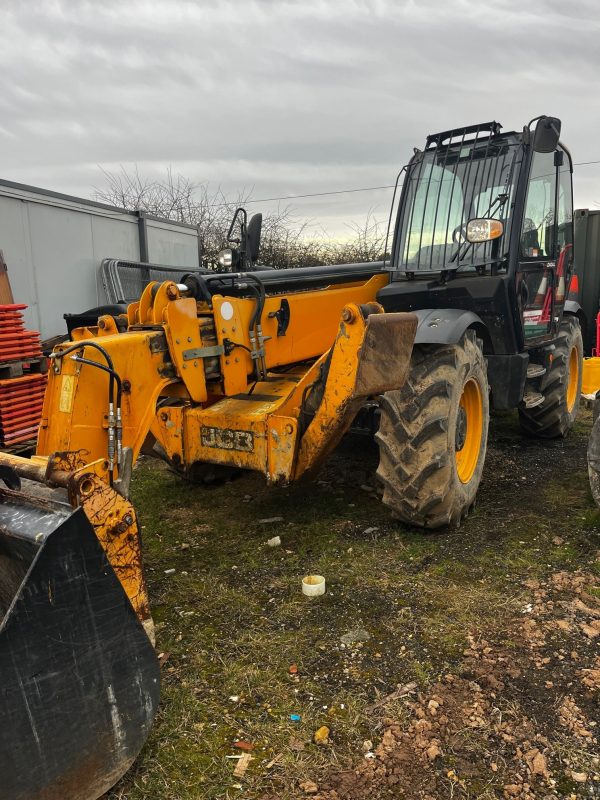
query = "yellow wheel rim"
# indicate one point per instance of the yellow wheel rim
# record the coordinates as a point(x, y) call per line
point(469, 430)
point(572, 379)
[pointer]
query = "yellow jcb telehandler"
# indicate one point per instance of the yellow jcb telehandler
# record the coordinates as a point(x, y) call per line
point(266, 369)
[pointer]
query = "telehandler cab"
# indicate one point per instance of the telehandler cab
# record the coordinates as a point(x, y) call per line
point(265, 370)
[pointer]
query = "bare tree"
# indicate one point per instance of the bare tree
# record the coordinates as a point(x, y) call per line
point(286, 242)
point(368, 242)
point(172, 197)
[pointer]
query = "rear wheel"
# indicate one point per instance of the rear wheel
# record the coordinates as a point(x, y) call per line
point(561, 387)
point(433, 435)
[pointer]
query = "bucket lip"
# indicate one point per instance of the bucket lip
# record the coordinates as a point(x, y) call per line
point(54, 517)
point(46, 516)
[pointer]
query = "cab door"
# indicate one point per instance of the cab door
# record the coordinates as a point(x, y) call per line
point(546, 246)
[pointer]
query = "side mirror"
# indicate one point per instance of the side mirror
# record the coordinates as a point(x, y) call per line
point(253, 233)
point(239, 218)
point(245, 254)
point(546, 134)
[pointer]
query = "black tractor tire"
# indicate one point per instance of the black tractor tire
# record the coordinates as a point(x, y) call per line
point(433, 435)
point(561, 387)
point(198, 473)
point(205, 474)
point(593, 459)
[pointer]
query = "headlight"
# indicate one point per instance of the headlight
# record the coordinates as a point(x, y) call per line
point(225, 257)
point(483, 230)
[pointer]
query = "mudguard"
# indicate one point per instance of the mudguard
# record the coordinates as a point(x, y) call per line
point(444, 325)
point(573, 307)
point(79, 679)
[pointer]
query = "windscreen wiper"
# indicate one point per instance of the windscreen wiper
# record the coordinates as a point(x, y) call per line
point(500, 200)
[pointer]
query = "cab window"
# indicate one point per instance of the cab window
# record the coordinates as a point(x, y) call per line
point(564, 217)
point(537, 236)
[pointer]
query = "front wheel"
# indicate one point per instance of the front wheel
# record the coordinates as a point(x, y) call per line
point(593, 458)
point(433, 435)
point(205, 474)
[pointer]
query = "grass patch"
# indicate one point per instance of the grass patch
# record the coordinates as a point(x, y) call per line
point(232, 617)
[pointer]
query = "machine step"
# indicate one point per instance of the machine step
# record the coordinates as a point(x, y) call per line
point(535, 370)
point(532, 399)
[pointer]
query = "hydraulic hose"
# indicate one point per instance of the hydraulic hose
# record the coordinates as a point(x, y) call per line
point(236, 283)
point(115, 428)
point(251, 328)
point(251, 282)
point(198, 287)
point(109, 362)
point(256, 321)
point(81, 346)
point(257, 316)
point(114, 375)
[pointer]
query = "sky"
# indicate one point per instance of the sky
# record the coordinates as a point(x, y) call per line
point(271, 98)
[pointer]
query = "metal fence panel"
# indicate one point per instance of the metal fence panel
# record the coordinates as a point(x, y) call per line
point(54, 244)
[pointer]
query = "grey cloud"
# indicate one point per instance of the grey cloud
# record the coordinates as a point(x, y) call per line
point(285, 97)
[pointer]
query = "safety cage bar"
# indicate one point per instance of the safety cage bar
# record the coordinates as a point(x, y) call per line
point(439, 138)
point(491, 164)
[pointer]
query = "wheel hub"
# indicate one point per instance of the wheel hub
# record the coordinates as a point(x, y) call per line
point(461, 429)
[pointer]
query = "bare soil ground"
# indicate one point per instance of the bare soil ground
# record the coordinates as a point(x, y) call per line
point(470, 660)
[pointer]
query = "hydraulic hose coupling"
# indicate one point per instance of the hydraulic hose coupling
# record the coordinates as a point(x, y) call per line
point(111, 436)
point(261, 349)
point(119, 428)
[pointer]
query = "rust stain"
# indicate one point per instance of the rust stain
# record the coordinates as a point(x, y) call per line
point(89, 777)
point(116, 528)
